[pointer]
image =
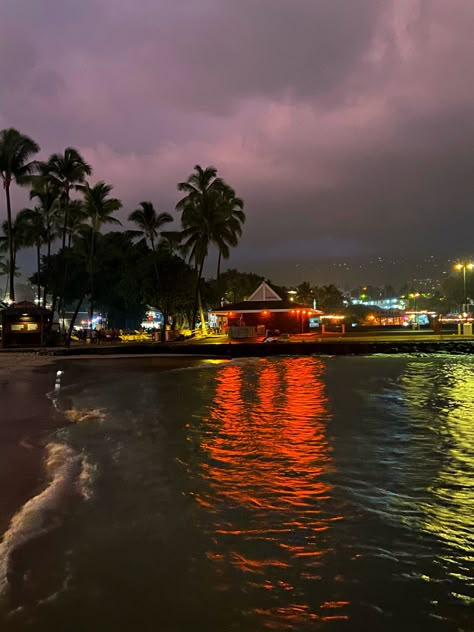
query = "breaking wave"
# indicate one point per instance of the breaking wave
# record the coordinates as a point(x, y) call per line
point(69, 475)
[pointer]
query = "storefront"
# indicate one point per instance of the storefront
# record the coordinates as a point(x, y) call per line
point(264, 312)
point(24, 325)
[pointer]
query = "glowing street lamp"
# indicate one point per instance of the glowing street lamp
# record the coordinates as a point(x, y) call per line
point(414, 296)
point(464, 266)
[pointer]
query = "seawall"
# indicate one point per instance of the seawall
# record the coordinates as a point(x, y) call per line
point(252, 349)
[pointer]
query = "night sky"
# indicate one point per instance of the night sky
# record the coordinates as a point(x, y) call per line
point(346, 125)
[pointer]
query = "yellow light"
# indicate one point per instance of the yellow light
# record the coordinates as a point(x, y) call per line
point(214, 361)
point(459, 266)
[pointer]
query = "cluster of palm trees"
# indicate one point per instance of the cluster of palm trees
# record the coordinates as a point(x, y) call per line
point(55, 216)
point(66, 209)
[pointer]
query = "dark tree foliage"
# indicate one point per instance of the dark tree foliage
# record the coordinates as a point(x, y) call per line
point(175, 294)
point(328, 298)
point(236, 286)
point(122, 278)
point(125, 280)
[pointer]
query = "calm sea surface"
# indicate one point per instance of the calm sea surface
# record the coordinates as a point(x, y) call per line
point(262, 494)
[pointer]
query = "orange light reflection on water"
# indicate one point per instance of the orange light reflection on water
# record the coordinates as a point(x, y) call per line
point(267, 451)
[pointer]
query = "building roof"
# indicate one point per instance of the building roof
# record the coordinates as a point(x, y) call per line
point(247, 307)
point(25, 307)
point(263, 299)
point(264, 293)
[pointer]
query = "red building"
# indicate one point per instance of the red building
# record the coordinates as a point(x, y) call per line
point(262, 312)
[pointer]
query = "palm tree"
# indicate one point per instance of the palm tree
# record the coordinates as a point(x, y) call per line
point(199, 189)
point(80, 254)
point(11, 241)
point(3, 272)
point(66, 171)
point(19, 237)
point(32, 233)
point(198, 214)
point(196, 239)
point(46, 195)
point(99, 208)
point(77, 218)
point(16, 150)
point(149, 223)
point(227, 226)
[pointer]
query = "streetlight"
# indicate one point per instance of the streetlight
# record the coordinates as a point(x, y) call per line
point(464, 266)
point(414, 296)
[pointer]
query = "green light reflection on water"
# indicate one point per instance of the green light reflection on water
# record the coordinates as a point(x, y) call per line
point(447, 396)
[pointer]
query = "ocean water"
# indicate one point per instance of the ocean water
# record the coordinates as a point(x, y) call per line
point(261, 494)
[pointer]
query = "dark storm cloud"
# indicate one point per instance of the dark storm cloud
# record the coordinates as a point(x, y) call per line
point(347, 126)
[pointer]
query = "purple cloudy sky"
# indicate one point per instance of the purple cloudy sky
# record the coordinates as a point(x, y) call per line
point(346, 125)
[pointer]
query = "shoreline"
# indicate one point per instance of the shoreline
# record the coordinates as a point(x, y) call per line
point(339, 346)
point(29, 418)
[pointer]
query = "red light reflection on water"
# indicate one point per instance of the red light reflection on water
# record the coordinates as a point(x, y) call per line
point(267, 451)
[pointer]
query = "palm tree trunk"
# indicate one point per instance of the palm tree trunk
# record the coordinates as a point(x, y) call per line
point(219, 276)
point(201, 314)
point(219, 266)
point(197, 297)
point(165, 322)
point(198, 302)
point(91, 276)
point(157, 275)
point(6, 286)
point(73, 319)
point(64, 232)
point(38, 268)
point(48, 264)
point(91, 303)
point(10, 243)
point(53, 309)
point(154, 263)
point(64, 235)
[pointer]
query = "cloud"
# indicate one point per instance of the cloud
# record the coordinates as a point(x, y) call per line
point(346, 126)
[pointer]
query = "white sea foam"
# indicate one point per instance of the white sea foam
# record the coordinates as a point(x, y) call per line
point(69, 474)
point(82, 415)
point(86, 478)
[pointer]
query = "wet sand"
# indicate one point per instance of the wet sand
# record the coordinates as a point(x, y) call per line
point(26, 421)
